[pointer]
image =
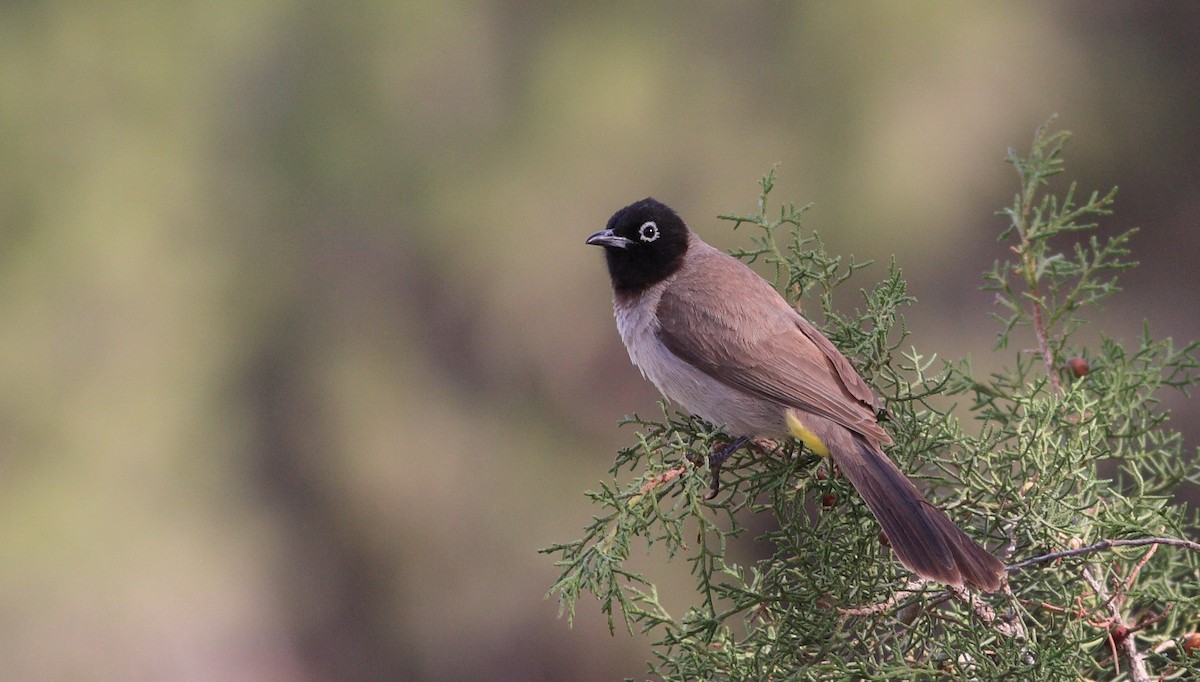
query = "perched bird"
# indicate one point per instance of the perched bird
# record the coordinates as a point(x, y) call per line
point(718, 340)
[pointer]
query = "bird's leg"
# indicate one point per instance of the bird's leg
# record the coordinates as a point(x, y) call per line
point(717, 457)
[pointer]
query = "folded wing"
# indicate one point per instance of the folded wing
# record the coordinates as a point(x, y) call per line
point(755, 342)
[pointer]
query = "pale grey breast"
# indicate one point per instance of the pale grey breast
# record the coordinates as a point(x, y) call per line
point(693, 390)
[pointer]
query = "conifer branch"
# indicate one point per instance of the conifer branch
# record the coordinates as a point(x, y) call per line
point(1119, 635)
point(1101, 546)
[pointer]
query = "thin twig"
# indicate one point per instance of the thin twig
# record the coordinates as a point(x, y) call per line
point(908, 590)
point(1138, 568)
point(1007, 626)
point(1124, 647)
point(1102, 545)
point(1029, 264)
point(1043, 339)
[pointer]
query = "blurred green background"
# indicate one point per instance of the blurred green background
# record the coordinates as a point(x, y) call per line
point(303, 355)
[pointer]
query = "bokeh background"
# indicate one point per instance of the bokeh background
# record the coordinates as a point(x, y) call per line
point(303, 356)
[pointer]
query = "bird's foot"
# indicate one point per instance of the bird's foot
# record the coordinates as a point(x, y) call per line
point(717, 457)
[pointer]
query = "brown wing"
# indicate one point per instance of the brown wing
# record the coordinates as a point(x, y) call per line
point(846, 372)
point(753, 340)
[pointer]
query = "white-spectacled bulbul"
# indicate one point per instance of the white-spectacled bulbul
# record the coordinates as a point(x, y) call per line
point(718, 340)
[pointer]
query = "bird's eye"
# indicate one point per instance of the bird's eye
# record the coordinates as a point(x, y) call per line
point(648, 231)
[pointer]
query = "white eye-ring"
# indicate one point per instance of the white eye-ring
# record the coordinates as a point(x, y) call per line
point(648, 231)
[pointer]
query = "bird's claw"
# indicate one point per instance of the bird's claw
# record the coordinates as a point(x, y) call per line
point(717, 458)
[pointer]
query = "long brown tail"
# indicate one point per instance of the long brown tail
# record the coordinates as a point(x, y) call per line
point(922, 536)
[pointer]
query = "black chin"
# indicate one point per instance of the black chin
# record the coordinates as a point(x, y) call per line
point(636, 269)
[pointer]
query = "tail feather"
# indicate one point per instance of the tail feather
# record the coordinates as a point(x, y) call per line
point(924, 539)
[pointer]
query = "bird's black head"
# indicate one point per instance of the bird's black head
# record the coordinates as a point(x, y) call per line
point(644, 244)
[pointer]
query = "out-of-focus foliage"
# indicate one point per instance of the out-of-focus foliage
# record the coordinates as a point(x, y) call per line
point(303, 355)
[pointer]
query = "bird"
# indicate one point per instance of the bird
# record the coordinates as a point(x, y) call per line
point(719, 341)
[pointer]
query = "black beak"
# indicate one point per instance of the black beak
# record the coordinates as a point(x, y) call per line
point(607, 238)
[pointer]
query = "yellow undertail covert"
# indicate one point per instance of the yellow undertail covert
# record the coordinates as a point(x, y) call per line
point(806, 436)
